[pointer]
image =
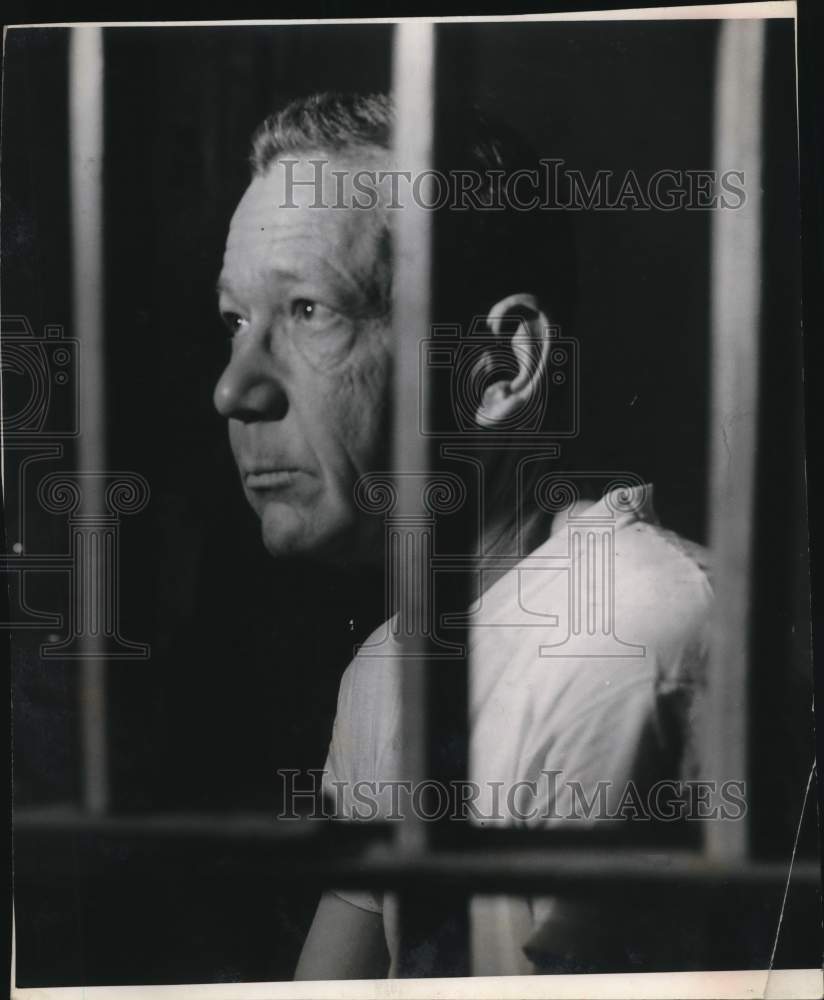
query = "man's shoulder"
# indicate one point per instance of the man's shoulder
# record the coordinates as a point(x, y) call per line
point(663, 586)
point(623, 600)
point(374, 672)
point(627, 624)
point(645, 588)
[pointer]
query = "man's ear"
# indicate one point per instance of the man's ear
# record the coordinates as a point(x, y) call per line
point(521, 333)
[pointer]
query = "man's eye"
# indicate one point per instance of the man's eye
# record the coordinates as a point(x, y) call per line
point(311, 312)
point(233, 322)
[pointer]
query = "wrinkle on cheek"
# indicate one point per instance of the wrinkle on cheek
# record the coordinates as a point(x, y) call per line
point(357, 405)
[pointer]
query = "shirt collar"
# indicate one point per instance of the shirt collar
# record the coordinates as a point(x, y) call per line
point(622, 505)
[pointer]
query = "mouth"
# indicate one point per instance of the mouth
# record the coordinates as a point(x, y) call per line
point(270, 479)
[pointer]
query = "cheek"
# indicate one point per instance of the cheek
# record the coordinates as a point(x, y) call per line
point(355, 403)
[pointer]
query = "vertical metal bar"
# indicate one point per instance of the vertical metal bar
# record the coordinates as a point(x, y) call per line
point(412, 87)
point(86, 179)
point(735, 328)
point(433, 929)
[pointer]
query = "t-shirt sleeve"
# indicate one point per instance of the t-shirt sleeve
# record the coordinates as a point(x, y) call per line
point(620, 743)
point(348, 760)
point(617, 725)
point(619, 736)
point(614, 750)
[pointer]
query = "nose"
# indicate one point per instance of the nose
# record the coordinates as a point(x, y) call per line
point(250, 387)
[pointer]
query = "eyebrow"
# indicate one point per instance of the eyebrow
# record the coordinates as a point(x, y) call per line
point(224, 285)
point(356, 298)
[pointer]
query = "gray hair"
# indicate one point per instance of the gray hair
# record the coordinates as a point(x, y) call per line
point(330, 122)
point(498, 251)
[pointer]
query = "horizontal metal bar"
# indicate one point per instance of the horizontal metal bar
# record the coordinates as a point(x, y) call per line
point(201, 826)
point(566, 872)
point(293, 855)
point(36, 563)
point(265, 826)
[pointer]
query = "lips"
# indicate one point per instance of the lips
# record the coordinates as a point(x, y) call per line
point(271, 478)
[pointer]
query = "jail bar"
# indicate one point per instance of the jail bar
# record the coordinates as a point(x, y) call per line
point(86, 180)
point(412, 87)
point(426, 684)
point(735, 303)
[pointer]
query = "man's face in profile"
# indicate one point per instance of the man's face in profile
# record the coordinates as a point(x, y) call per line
point(303, 291)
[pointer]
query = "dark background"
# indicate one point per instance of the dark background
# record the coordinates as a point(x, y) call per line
point(247, 654)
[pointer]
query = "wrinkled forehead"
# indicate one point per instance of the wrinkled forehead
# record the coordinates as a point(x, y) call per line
point(314, 199)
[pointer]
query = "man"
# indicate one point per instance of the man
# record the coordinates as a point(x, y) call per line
point(305, 292)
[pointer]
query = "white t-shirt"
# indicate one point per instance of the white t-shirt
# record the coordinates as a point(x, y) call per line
point(585, 665)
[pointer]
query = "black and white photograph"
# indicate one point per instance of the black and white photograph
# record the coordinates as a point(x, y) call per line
point(406, 518)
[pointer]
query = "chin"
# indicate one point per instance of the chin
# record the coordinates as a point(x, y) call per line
point(288, 532)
